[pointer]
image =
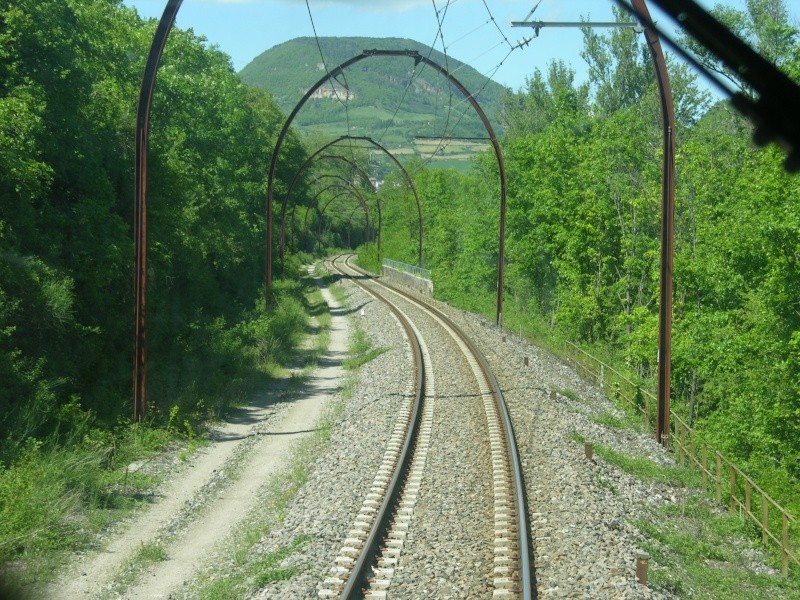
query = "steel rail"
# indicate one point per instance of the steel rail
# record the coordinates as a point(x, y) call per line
point(379, 525)
point(521, 504)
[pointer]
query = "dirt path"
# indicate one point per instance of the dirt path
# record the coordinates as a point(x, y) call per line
point(275, 429)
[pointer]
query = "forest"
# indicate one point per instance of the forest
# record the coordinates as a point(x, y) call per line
point(584, 172)
point(69, 83)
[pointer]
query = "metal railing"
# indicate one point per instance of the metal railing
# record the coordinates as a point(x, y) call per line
point(404, 268)
point(728, 481)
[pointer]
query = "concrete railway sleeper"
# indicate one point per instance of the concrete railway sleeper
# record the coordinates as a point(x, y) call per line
point(511, 572)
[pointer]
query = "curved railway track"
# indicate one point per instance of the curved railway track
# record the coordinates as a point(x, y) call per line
point(366, 562)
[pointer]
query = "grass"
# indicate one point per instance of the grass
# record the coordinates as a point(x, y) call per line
point(339, 294)
point(267, 567)
point(577, 437)
point(608, 419)
point(55, 500)
point(648, 471)
point(317, 307)
point(150, 553)
point(697, 549)
point(701, 553)
point(570, 394)
point(57, 495)
point(246, 569)
point(361, 351)
point(259, 572)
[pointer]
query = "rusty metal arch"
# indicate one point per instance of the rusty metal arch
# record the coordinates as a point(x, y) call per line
point(342, 194)
point(350, 228)
point(306, 164)
point(349, 185)
point(364, 174)
point(140, 207)
point(309, 208)
point(484, 119)
point(163, 29)
point(358, 191)
point(377, 145)
point(327, 188)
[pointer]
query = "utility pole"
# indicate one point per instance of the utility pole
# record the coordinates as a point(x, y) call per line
point(667, 199)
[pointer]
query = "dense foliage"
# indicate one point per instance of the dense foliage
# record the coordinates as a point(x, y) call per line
point(582, 242)
point(69, 78)
point(70, 72)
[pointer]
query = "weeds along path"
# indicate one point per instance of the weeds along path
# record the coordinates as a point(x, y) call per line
point(221, 487)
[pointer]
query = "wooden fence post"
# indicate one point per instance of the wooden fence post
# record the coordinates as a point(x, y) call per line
point(764, 518)
point(747, 494)
point(785, 545)
point(733, 489)
point(719, 478)
point(705, 466)
point(602, 377)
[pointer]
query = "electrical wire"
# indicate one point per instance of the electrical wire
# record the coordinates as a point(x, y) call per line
point(482, 25)
point(446, 136)
point(346, 85)
point(414, 71)
point(451, 123)
point(440, 22)
point(491, 17)
point(481, 55)
point(448, 131)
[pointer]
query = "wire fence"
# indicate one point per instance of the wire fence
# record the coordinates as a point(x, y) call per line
point(405, 268)
point(731, 486)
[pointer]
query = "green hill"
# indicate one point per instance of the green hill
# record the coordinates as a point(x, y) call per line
point(428, 105)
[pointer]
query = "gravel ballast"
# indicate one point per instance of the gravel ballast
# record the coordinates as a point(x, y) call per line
point(580, 510)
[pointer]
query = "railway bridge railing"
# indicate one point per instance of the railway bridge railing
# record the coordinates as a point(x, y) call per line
point(731, 486)
point(414, 277)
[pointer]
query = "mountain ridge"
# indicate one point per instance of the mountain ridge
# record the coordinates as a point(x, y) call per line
point(392, 97)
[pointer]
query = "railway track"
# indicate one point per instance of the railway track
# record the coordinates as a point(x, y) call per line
point(368, 558)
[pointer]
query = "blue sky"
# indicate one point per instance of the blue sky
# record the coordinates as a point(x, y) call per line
point(473, 34)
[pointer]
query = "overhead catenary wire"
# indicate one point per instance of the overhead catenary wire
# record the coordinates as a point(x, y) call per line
point(494, 69)
point(346, 85)
point(470, 32)
point(533, 10)
point(491, 18)
point(488, 75)
point(450, 121)
point(440, 22)
point(449, 136)
point(414, 71)
point(448, 130)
